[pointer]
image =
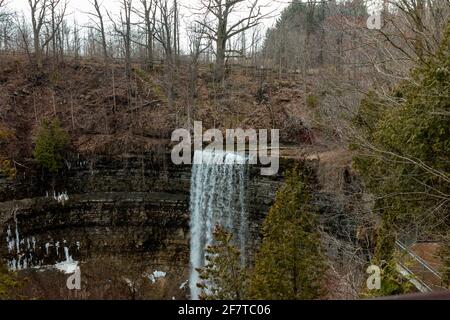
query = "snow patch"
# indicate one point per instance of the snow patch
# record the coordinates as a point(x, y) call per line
point(156, 275)
point(67, 267)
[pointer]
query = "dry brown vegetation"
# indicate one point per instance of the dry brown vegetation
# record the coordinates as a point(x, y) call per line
point(104, 113)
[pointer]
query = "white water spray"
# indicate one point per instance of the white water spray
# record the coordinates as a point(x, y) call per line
point(217, 198)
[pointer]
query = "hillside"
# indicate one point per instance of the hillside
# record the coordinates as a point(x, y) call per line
point(104, 113)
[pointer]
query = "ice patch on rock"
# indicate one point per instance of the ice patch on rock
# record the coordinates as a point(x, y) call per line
point(184, 284)
point(67, 267)
point(156, 275)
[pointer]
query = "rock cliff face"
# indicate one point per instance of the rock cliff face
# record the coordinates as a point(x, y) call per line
point(133, 208)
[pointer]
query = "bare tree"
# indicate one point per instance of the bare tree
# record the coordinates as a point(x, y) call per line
point(147, 13)
point(417, 24)
point(164, 31)
point(5, 25)
point(99, 25)
point(124, 31)
point(24, 35)
point(76, 40)
point(255, 42)
point(176, 29)
point(164, 35)
point(221, 27)
point(198, 44)
point(53, 4)
point(39, 10)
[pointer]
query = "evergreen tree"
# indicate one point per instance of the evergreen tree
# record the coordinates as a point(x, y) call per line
point(290, 263)
point(223, 277)
point(403, 158)
point(51, 143)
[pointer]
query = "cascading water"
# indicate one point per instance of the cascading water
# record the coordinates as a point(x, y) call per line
point(217, 198)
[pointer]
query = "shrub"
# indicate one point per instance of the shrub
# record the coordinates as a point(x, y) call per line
point(51, 143)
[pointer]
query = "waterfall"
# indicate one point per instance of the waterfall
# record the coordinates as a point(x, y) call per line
point(217, 198)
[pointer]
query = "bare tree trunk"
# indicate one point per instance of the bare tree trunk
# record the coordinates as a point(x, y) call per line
point(101, 28)
point(76, 40)
point(175, 30)
point(37, 20)
point(164, 35)
point(220, 58)
point(128, 6)
point(124, 30)
point(149, 26)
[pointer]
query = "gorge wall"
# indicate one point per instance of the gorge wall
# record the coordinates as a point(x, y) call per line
point(133, 209)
